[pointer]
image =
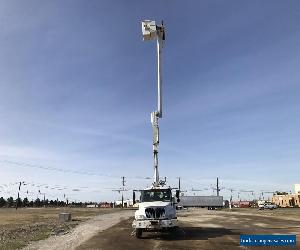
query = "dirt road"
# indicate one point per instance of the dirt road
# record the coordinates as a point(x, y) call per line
point(82, 233)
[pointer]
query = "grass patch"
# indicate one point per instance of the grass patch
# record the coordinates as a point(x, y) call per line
point(12, 239)
point(20, 227)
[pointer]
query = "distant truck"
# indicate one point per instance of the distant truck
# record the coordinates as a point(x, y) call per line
point(211, 202)
point(267, 205)
point(91, 205)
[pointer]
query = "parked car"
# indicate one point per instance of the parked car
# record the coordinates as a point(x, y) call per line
point(267, 205)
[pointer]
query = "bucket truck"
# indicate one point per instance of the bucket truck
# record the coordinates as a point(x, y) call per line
point(157, 207)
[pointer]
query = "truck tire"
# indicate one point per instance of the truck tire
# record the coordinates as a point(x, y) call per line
point(138, 233)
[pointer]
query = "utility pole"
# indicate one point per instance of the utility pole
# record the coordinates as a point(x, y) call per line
point(123, 181)
point(123, 184)
point(17, 203)
point(218, 190)
point(121, 189)
point(178, 183)
point(230, 201)
point(18, 200)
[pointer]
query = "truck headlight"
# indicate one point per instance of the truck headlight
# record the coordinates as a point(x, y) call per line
point(140, 217)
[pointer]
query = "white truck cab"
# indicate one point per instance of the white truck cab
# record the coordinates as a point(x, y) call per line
point(157, 210)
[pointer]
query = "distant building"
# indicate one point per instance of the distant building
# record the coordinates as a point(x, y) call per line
point(288, 200)
point(241, 204)
point(235, 204)
point(244, 204)
point(105, 205)
point(126, 203)
point(284, 199)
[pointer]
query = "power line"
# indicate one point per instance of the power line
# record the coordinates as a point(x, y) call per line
point(22, 164)
point(63, 170)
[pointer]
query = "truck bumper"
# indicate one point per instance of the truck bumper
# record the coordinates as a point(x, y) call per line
point(154, 224)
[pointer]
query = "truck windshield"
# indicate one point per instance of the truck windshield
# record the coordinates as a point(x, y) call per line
point(156, 195)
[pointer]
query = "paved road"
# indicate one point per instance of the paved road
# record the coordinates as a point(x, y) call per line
point(199, 229)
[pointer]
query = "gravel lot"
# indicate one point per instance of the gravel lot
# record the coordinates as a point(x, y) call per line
point(111, 229)
point(203, 229)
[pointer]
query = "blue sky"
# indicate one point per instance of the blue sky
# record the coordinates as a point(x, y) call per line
point(77, 85)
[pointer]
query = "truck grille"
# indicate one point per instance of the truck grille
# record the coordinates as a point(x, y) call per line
point(155, 213)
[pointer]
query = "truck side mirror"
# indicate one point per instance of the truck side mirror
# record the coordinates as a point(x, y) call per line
point(177, 195)
point(133, 198)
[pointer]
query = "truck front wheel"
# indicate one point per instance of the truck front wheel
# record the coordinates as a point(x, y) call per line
point(138, 233)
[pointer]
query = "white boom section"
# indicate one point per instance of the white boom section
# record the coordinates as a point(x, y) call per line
point(152, 31)
point(159, 75)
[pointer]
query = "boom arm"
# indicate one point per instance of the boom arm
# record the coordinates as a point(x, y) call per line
point(154, 121)
point(152, 31)
point(160, 37)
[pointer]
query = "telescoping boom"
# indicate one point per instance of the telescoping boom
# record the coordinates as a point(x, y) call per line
point(151, 31)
